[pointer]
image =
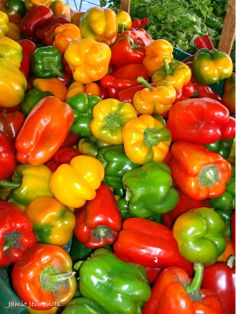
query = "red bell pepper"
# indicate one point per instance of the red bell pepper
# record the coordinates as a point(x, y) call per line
point(114, 85)
point(141, 37)
point(221, 278)
point(229, 129)
point(127, 94)
point(16, 233)
point(130, 71)
point(149, 244)
point(203, 90)
point(63, 155)
point(43, 277)
point(11, 122)
point(186, 92)
point(71, 139)
point(98, 222)
point(174, 292)
point(197, 120)
point(140, 23)
point(35, 17)
point(7, 157)
point(44, 131)
point(28, 46)
point(203, 42)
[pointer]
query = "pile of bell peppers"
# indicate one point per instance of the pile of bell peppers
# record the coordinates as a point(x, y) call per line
point(117, 166)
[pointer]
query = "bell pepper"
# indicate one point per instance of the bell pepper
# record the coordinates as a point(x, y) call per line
point(154, 99)
point(203, 90)
point(104, 277)
point(175, 292)
point(146, 139)
point(60, 8)
point(15, 9)
point(149, 190)
point(99, 24)
point(83, 305)
point(12, 84)
point(64, 34)
point(16, 234)
point(82, 106)
point(228, 97)
point(35, 17)
point(89, 89)
point(11, 122)
point(52, 85)
point(222, 147)
point(4, 23)
point(82, 177)
point(232, 224)
point(53, 223)
point(203, 42)
point(87, 59)
point(156, 53)
point(199, 172)
point(198, 120)
point(220, 278)
point(116, 163)
point(138, 23)
point(127, 94)
point(109, 117)
point(99, 220)
point(63, 155)
point(124, 21)
point(211, 66)
point(30, 3)
point(14, 31)
point(28, 46)
point(11, 51)
point(46, 62)
point(200, 234)
point(175, 72)
point(140, 235)
point(32, 97)
point(7, 156)
point(36, 142)
point(90, 145)
point(43, 278)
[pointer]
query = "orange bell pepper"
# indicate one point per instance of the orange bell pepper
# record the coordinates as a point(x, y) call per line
point(155, 54)
point(53, 85)
point(61, 8)
point(64, 34)
point(77, 87)
point(197, 171)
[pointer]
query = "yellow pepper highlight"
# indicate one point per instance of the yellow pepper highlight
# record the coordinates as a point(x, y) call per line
point(10, 51)
point(4, 23)
point(53, 85)
point(124, 20)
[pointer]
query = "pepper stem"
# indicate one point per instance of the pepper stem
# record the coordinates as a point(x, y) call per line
point(193, 289)
point(168, 70)
point(145, 83)
point(154, 136)
point(102, 232)
point(9, 184)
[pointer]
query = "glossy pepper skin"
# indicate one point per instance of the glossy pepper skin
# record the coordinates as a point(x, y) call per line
point(176, 73)
point(138, 235)
point(154, 99)
point(28, 46)
point(221, 278)
point(53, 85)
point(211, 66)
point(146, 139)
point(104, 277)
point(109, 117)
point(11, 122)
point(149, 190)
point(82, 177)
point(222, 147)
point(4, 23)
point(16, 233)
point(7, 156)
point(82, 106)
point(175, 292)
point(193, 232)
point(46, 62)
point(53, 223)
point(43, 277)
point(116, 163)
point(124, 21)
point(36, 142)
point(99, 220)
point(198, 120)
point(83, 305)
point(63, 155)
point(32, 97)
point(100, 24)
point(88, 59)
point(64, 34)
point(11, 51)
point(199, 172)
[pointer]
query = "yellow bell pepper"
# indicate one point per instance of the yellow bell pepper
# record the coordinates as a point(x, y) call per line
point(88, 59)
point(109, 117)
point(10, 51)
point(175, 72)
point(53, 85)
point(64, 34)
point(100, 24)
point(154, 99)
point(156, 52)
point(13, 84)
point(75, 183)
point(124, 20)
point(146, 139)
point(53, 223)
point(4, 23)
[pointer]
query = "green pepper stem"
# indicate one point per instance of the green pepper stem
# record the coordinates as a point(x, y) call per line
point(154, 136)
point(231, 261)
point(168, 70)
point(194, 288)
point(102, 232)
point(9, 184)
point(145, 83)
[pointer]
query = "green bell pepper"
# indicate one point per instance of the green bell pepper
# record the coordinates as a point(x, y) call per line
point(149, 190)
point(83, 306)
point(200, 234)
point(28, 183)
point(82, 105)
point(221, 147)
point(117, 286)
point(211, 66)
point(47, 62)
point(15, 7)
point(116, 163)
point(31, 98)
